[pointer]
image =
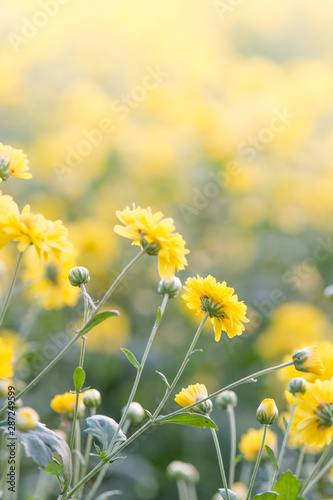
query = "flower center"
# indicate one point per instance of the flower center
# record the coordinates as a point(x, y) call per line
point(325, 415)
point(4, 167)
point(214, 309)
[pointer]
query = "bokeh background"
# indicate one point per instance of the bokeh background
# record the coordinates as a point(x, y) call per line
point(217, 113)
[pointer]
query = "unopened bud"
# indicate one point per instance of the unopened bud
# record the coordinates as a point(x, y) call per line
point(26, 419)
point(181, 470)
point(267, 412)
point(78, 276)
point(171, 287)
point(297, 384)
point(308, 360)
point(91, 398)
point(135, 413)
point(225, 399)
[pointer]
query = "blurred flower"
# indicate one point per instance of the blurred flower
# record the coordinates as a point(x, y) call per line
point(267, 412)
point(292, 325)
point(13, 163)
point(308, 360)
point(65, 405)
point(181, 470)
point(313, 418)
point(49, 285)
point(6, 359)
point(156, 235)
point(250, 442)
point(225, 311)
point(194, 394)
point(240, 489)
point(27, 419)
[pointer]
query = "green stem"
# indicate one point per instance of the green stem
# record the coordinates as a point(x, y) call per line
point(10, 288)
point(284, 442)
point(17, 470)
point(320, 474)
point(220, 460)
point(87, 453)
point(133, 392)
point(192, 491)
point(234, 384)
point(255, 470)
point(77, 457)
point(300, 461)
point(232, 423)
point(309, 481)
point(180, 371)
point(182, 490)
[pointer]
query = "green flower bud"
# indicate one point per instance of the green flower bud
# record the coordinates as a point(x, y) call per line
point(181, 470)
point(78, 276)
point(26, 419)
point(297, 384)
point(225, 399)
point(135, 413)
point(171, 287)
point(91, 398)
point(267, 412)
point(205, 407)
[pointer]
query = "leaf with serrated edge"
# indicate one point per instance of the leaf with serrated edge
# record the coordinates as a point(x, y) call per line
point(131, 358)
point(193, 419)
point(271, 455)
point(287, 487)
point(96, 320)
point(103, 428)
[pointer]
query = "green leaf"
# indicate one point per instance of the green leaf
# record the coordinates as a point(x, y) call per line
point(131, 358)
point(96, 320)
point(40, 443)
point(287, 487)
point(268, 495)
point(79, 378)
point(232, 494)
point(239, 458)
point(108, 494)
point(271, 455)
point(103, 428)
point(54, 467)
point(159, 316)
point(163, 377)
point(186, 418)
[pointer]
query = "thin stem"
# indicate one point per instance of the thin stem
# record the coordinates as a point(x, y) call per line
point(309, 481)
point(284, 442)
point(87, 453)
point(255, 470)
point(192, 491)
point(220, 460)
point(77, 457)
point(300, 461)
point(17, 470)
point(234, 384)
point(320, 474)
point(10, 288)
point(181, 369)
point(232, 423)
point(182, 490)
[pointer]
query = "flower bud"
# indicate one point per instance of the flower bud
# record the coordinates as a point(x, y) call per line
point(225, 399)
point(78, 276)
point(91, 398)
point(308, 360)
point(4, 388)
point(328, 292)
point(171, 287)
point(26, 419)
point(267, 412)
point(297, 384)
point(135, 413)
point(181, 470)
point(4, 167)
point(205, 407)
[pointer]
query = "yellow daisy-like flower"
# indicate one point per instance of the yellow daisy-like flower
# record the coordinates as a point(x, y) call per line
point(156, 235)
point(6, 359)
point(308, 360)
point(13, 163)
point(225, 311)
point(313, 418)
point(250, 442)
point(28, 228)
point(65, 405)
point(194, 394)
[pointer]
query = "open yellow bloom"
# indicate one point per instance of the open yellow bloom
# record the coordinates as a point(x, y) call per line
point(250, 442)
point(6, 359)
point(313, 418)
point(156, 235)
point(308, 360)
point(194, 394)
point(65, 405)
point(225, 311)
point(13, 163)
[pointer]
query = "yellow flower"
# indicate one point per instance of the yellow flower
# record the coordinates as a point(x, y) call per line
point(27, 418)
point(308, 360)
point(28, 229)
point(267, 412)
point(313, 417)
point(65, 405)
point(194, 394)
point(50, 286)
point(250, 442)
point(6, 359)
point(225, 311)
point(156, 235)
point(13, 163)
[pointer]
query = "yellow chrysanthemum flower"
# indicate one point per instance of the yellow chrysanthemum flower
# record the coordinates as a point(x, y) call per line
point(156, 235)
point(28, 229)
point(194, 394)
point(313, 418)
point(6, 359)
point(308, 360)
point(65, 405)
point(250, 442)
point(13, 163)
point(225, 311)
